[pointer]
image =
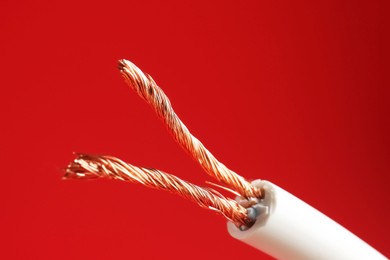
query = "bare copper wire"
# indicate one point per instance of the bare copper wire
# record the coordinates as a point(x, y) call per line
point(147, 88)
point(93, 166)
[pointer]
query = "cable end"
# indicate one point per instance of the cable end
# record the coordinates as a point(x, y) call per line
point(122, 64)
point(81, 168)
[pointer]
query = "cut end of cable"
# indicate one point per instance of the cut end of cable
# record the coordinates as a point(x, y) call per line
point(81, 169)
point(122, 64)
point(135, 78)
point(126, 66)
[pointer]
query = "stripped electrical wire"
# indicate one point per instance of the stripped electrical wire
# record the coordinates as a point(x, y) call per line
point(92, 166)
point(147, 88)
point(243, 213)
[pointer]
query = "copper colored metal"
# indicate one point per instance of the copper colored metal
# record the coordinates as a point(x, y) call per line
point(92, 166)
point(147, 88)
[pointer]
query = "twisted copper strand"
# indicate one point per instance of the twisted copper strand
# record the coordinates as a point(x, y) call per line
point(91, 166)
point(147, 88)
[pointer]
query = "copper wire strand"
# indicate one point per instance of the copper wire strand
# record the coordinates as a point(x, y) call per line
point(147, 88)
point(93, 166)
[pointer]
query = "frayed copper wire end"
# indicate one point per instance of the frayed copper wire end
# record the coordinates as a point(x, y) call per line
point(94, 166)
point(147, 88)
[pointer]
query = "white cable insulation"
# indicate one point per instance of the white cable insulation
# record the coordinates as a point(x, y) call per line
point(293, 229)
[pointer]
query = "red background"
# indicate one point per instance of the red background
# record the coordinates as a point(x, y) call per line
point(294, 92)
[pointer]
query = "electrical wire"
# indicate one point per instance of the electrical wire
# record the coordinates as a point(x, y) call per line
point(147, 88)
point(263, 215)
point(94, 166)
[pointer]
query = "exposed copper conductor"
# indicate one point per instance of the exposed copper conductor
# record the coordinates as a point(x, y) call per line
point(91, 166)
point(243, 213)
point(147, 88)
